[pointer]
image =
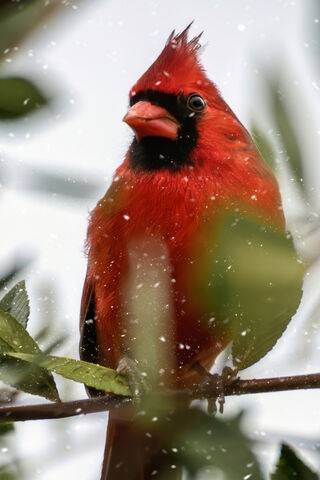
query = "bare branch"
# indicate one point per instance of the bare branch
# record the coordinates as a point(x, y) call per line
point(47, 411)
point(110, 401)
point(277, 384)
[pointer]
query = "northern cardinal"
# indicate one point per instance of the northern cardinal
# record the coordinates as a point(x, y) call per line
point(190, 159)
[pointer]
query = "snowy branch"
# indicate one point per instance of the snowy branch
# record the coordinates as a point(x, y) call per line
point(109, 401)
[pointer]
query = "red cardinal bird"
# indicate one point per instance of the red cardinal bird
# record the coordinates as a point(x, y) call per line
point(190, 160)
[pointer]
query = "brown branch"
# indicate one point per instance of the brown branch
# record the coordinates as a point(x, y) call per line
point(277, 384)
point(110, 402)
point(47, 411)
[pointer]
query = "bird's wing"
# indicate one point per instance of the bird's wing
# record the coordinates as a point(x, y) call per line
point(89, 348)
point(88, 341)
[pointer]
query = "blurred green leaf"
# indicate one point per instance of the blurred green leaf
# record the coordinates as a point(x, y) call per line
point(149, 323)
point(35, 380)
point(291, 467)
point(253, 281)
point(35, 179)
point(313, 32)
point(193, 439)
point(6, 474)
point(10, 469)
point(7, 395)
point(92, 375)
point(6, 427)
point(17, 266)
point(287, 135)
point(27, 378)
point(264, 146)
point(20, 18)
point(18, 97)
point(16, 302)
point(49, 334)
point(55, 344)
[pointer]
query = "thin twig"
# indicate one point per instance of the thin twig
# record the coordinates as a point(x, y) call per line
point(110, 401)
point(277, 384)
point(47, 411)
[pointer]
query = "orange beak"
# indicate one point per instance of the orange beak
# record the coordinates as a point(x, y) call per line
point(148, 120)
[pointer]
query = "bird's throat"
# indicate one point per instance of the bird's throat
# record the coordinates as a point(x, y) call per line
point(157, 153)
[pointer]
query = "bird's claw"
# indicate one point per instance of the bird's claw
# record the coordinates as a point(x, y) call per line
point(218, 382)
point(136, 379)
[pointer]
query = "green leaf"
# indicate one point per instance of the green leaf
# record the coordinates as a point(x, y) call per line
point(92, 375)
point(253, 283)
point(195, 440)
point(28, 378)
point(15, 335)
point(287, 135)
point(264, 146)
point(16, 302)
point(209, 441)
point(291, 467)
point(18, 97)
point(18, 374)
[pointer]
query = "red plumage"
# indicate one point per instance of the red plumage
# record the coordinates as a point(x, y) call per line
point(174, 207)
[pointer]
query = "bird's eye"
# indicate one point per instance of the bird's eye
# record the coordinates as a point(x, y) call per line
point(196, 103)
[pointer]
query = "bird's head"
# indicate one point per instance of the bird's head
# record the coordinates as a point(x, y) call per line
point(172, 105)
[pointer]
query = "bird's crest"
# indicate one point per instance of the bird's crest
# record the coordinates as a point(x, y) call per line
point(177, 68)
point(180, 42)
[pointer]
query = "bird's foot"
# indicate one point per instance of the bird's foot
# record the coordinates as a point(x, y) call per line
point(218, 383)
point(136, 379)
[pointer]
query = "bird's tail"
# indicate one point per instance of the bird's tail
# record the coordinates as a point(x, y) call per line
point(131, 453)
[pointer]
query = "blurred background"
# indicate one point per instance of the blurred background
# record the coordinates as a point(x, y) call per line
point(66, 68)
